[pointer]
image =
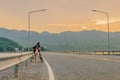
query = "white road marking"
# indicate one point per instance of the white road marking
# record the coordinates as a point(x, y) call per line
point(50, 72)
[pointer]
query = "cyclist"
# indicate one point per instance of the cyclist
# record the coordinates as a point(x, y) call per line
point(36, 50)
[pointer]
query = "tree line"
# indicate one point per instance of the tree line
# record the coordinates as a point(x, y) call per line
point(8, 45)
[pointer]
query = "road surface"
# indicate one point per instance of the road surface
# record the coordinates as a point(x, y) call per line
point(83, 67)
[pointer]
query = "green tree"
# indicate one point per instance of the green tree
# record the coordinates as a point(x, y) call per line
point(8, 45)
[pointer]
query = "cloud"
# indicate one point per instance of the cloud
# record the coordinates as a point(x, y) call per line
point(98, 22)
point(61, 25)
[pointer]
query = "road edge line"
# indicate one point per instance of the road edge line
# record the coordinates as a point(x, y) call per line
point(50, 71)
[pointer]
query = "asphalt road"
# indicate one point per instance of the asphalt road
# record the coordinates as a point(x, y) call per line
point(83, 67)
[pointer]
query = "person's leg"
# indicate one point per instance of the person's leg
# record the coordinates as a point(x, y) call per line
point(35, 54)
point(35, 57)
point(34, 51)
point(40, 57)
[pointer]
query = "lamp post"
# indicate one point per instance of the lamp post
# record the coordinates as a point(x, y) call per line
point(29, 17)
point(107, 15)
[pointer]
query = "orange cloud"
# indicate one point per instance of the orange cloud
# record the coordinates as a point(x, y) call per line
point(98, 22)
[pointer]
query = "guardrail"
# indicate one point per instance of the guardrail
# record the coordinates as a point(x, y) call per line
point(98, 52)
point(8, 60)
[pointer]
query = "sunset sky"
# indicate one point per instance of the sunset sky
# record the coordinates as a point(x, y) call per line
point(61, 15)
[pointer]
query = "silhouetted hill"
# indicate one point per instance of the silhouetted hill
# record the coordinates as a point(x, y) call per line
point(8, 45)
point(66, 41)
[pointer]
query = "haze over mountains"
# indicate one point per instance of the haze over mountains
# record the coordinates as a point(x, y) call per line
point(66, 41)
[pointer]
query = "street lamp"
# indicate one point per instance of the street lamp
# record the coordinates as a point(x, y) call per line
point(107, 25)
point(29, 17)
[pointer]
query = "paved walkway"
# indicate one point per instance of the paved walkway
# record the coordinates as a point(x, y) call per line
point(35, 71)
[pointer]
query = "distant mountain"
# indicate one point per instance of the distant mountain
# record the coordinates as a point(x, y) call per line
point(66, 41)
point(8, 45)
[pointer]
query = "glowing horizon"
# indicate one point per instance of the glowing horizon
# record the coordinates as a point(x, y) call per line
point(62, 15)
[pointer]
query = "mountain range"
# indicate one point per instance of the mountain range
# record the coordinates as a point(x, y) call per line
point(66, 41)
